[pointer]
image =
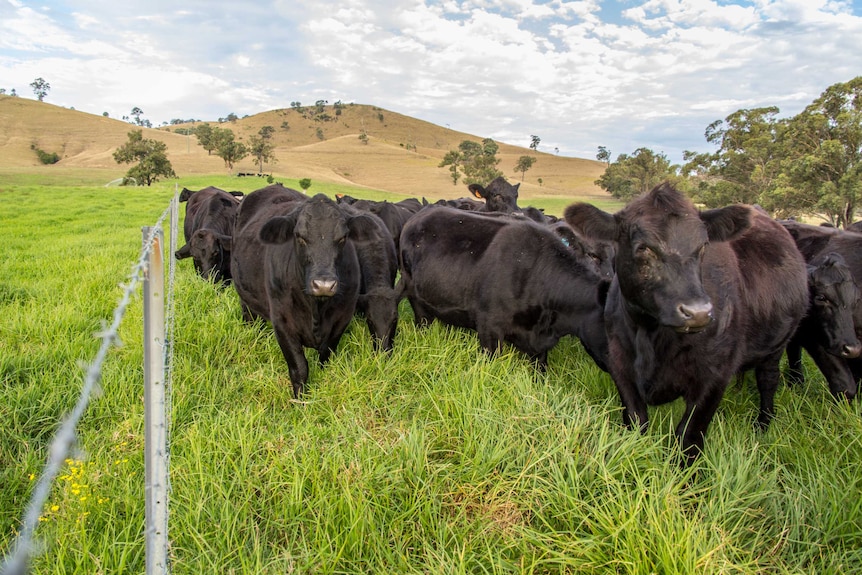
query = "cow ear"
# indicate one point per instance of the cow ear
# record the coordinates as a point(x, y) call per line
point(477, 191)
point(278, 230)
point(723, 224)
point(569, 238)
point(185, 194)
point(363, 227)
point(225, 241)
point(591, 221)
point(183, 253)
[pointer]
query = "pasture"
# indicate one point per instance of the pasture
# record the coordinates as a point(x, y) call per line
point(434, 459)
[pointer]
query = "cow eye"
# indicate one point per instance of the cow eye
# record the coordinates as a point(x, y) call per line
point(643, 251)
point(820, 298)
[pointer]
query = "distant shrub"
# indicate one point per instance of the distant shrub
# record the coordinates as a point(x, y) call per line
point(45, 157)
point(305, 183)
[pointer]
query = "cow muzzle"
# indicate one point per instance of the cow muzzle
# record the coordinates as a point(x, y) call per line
point(851, 351)
point(323, 288)
point(693, 317)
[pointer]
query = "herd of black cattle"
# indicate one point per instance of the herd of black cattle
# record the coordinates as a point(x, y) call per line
point(671, 301)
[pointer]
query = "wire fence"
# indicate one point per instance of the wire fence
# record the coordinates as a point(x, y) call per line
point(25, 546)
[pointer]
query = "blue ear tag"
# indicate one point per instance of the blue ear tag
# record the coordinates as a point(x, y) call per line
point(565, 242)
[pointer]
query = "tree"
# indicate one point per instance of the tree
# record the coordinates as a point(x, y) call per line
point(747, 163)
point(40, 88)
point(477, 161)
point(604, 155)
point(524, 164)
point(150, 156)
point(206, 139)
point(453, 159)
point(534, 142)
point(262, 149)
point(823, 147)
point(136, 113)
point(631, 176)
point(227, 148)
point(305, 183)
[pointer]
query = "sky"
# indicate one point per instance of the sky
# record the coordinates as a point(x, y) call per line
point(580, 74)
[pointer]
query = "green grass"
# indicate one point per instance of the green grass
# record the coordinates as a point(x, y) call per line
point(434, 459)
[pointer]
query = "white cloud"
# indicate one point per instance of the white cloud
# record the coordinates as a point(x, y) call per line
point(654, 73)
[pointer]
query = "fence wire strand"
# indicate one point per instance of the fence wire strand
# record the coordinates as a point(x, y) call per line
point(24, 546)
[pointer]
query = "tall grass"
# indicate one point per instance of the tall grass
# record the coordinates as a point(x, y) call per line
point(433, 459)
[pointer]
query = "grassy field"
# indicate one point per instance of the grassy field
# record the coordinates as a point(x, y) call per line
point(434, 459)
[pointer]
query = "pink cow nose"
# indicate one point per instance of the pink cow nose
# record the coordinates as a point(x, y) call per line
point(323, 288)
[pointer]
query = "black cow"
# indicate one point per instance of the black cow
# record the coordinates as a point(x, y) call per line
point(828, 328)
point(378, 300)
point(843, 374)
point(600, 252)
point(510, 279)
point(208, 228)
point(697, 297)
point(499, 196)
point(393, 214)
point(295, 264)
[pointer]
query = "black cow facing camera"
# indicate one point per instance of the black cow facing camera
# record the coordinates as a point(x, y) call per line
point(295, 264)
point(697, 297)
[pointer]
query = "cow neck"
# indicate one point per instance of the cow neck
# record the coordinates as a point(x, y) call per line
point(639, 316)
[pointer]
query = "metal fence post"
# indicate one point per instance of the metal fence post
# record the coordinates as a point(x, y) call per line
point(155, 448)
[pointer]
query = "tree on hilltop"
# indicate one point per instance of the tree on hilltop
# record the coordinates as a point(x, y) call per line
point(40, 88)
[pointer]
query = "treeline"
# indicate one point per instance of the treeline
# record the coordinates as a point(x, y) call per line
point(807, 164)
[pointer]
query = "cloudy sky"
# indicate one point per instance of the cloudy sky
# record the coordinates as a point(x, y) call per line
point(579, 74)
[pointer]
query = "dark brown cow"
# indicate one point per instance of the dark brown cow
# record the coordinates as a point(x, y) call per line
point(510, 279)
point(295, 264)
point(828, 327)
point(208, 228)
point(697, 297)
point(843, 374)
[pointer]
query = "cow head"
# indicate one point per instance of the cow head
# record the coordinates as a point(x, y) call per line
point(833, 297)
point(499, 196)
point(210, 251)
point(319, 230)
point(660, 241)
point(186, 194)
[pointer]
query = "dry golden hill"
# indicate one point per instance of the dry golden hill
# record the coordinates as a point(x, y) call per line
point(401, 154)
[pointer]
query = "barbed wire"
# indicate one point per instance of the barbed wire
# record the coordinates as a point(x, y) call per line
point(24, 547)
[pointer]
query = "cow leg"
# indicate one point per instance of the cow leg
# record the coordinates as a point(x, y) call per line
point(541, 361)
point(297, 365)
point(634, 404)
point(768, 375)
point(490, 339)
point(325, 351)
point(841, 380)
point(382, 320)
point(420, 314)
point(795, 375)
point(698, 415)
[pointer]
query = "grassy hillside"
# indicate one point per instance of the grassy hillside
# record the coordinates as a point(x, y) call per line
point(401, 156)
